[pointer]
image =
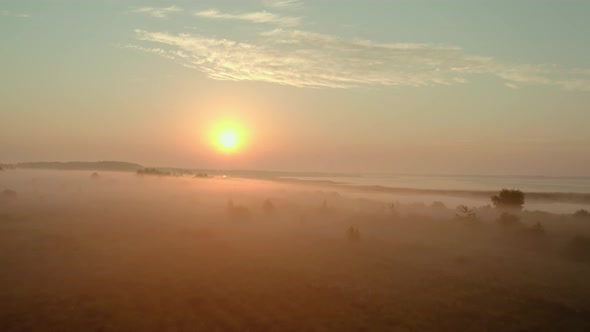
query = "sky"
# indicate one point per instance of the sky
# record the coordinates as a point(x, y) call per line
point(403, 86)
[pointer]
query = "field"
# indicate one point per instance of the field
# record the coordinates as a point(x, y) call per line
point(121, 252)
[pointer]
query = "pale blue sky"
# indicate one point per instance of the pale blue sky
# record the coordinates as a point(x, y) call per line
point(409, 86)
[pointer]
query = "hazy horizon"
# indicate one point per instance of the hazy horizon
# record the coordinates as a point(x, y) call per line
point(305, 172)
point(381, 87)
point(294, 165)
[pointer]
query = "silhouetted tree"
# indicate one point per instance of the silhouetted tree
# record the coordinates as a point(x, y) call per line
point(510, 199)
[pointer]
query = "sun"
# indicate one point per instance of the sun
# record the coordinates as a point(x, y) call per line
point(228, 139)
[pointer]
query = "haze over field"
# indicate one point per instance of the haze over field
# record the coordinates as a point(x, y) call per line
point(119, 251)
point(289, 165)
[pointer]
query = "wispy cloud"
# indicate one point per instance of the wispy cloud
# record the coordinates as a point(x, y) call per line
point(282, 4)
point(309, 59)
point(13, 14)
point(159, 12)
point(171, 55)
point(255, 17)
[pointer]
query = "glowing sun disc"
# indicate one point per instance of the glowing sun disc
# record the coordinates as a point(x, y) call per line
point(228, 139)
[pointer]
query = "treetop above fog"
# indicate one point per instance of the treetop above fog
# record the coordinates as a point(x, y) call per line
point(512, 199)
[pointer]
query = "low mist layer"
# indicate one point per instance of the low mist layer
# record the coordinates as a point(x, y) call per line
point(122, 252)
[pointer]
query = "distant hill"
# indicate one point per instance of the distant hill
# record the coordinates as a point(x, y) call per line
point(82, 165)
point(133, 167)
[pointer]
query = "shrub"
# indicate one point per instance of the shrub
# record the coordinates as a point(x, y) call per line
point(152, 171)
point(438, 205)
point(464, 212)
point(537, 229)
point(8, 194)
point(353, 234)
point(324, 209)
point(508, 220)
point(582, 214)
point(462, 260)
point(579, 249)
point(512, 199)
point(268, 206)
point(237, 211)
point(95, 176)
point(392, 209)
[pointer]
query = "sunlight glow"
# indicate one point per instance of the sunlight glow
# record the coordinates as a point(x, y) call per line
point(227, 137)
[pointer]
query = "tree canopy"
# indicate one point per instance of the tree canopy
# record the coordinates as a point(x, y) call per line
point(512, 199)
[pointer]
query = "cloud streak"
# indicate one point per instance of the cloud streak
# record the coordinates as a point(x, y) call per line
point(7, 13)
point(282, 4)
point(308, 59)
point(254, 17)
point(158, 12)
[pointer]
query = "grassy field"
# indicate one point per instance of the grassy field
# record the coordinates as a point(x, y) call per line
point(128, 253)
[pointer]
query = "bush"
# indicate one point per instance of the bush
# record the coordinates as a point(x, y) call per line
point(582, 214)
point(8, 194)
point(237, 211)
point(464, 212)
point(579, 249)
point(508, 220)
point(324, 208)
point(438, 205)
point(391, 209)
point(353, 234)
point(512, 199)
point(537, 229)
point(268, 206)
point(152, 171)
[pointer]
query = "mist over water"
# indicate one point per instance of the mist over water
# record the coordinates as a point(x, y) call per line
point(527, 183)
point(462, 184)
